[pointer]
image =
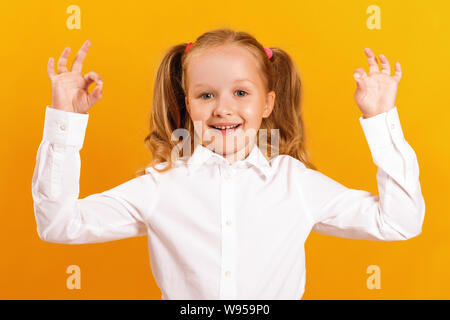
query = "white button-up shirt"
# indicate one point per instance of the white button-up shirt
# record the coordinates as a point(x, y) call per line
point(226, 231)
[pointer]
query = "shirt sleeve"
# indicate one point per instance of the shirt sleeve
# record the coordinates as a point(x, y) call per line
point(397, 213)
point(61, 217)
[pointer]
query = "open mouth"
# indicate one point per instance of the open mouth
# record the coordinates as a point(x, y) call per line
point(227, 129)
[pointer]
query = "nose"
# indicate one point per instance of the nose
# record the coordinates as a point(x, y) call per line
point(223, 107)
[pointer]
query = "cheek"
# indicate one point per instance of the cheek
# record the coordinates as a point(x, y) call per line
point(198, 114)
point(199, 117)
point(252, 115)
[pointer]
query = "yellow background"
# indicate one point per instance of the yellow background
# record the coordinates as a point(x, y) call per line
point(326, 40)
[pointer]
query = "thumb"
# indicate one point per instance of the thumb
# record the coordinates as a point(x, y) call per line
point(359, 75)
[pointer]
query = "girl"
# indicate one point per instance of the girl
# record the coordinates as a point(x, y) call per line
point(228, 221)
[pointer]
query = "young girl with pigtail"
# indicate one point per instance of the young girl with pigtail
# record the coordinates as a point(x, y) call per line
point(230, 196)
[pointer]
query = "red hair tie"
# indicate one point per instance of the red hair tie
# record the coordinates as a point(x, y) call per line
point(268, 50)
point(188, 46)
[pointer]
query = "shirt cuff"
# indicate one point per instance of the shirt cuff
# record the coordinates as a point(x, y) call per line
point(65, 127)
point(383, 130)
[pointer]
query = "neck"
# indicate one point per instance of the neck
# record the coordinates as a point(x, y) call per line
point(239, 154)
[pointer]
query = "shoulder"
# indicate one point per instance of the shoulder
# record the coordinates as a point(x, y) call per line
point(295, 167)
point(287, 163)
point(178, 167)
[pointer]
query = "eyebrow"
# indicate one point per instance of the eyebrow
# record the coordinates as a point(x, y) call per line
point(235, 81)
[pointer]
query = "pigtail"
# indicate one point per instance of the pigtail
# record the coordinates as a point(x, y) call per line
point(168, 110)
point(287, 112)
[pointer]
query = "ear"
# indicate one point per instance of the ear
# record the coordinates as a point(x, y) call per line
point(270, 102)
point(186, 102)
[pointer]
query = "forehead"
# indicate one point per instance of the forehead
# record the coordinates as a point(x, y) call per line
point(223, 64)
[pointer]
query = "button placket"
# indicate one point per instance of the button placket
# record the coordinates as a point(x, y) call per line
point(397, 138)
point(56, 171)
point(227, 280)
point(58, 157)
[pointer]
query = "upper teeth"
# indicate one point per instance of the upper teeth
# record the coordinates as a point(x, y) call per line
point(226, 127)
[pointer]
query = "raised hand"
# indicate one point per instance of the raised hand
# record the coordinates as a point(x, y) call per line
point(375, 93)
point(70, 88)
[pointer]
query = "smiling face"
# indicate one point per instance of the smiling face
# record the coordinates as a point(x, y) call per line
point(225, 89)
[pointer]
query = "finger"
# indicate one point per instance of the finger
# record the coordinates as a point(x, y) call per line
point(93, 77)
point(95, 96)
point(373, 64)
point(385, 67)
point(78, 62)
point(62, 62)
point(51, 68)
point(398, 72)
point(359, 73)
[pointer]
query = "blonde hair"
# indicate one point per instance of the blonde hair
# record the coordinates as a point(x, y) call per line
point(169, 110)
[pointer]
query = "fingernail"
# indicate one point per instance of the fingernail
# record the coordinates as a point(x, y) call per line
point(357, 75)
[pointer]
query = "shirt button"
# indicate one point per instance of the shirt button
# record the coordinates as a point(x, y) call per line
point(392, 126)
point(228, 274)
point(62, 127)
point(228, 222)
point(227, 175)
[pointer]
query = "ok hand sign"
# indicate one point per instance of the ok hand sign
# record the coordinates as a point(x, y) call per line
point(375, 93)
point(69, 88)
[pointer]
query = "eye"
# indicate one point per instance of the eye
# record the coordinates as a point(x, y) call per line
point(208, 93)
point(201, 96)
point(242, 91)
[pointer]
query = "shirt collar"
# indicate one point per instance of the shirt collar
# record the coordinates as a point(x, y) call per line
point(203, 155)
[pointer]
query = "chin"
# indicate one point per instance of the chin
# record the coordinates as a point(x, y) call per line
point(227, 144)
point(228, 147)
